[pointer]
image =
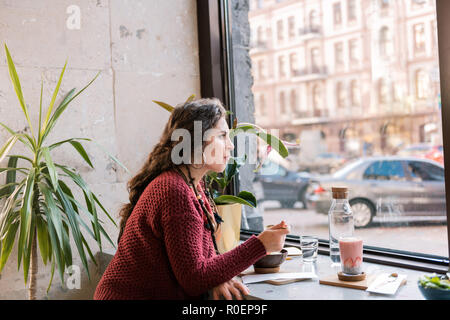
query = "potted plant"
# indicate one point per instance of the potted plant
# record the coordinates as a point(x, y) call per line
point(230, 206)
point(39, 206)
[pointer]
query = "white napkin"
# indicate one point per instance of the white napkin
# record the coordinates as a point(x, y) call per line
point(382, 286)
point(252, 278)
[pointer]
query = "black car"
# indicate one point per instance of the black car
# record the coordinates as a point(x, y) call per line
point(281, 184)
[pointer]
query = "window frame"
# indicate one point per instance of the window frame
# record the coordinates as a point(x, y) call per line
point(217, 80)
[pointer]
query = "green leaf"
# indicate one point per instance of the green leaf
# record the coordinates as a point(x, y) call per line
point(223, 199)
point(43, 239)
point(104, 210)
point(55, 93)
point(53, 215)
point(57, 144)
point(56, 249)
point(81, 151)
point(7, 146)
point(27, 251)
point(8, 244)
point(276, 143)
point(21, 137)
point(26, 215)
point(62, 107)
point(17, 86)
point(51, 167)
point(248, 196)
point(166, 106)
point(8, 188)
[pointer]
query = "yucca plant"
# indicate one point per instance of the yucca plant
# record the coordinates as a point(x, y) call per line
point(39, 206)
point(224, 178)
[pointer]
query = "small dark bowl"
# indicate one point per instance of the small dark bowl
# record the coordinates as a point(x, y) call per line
point(434, 294)
point(272, 260)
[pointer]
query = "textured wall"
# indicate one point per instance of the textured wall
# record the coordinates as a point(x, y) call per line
point(144, 49)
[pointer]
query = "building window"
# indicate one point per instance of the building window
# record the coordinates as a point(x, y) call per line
point(338, 54)
point(294, 102)
point(419, 37)
point(281, 67)
point(337, 15)
point(280, 31)
point(353, 50)
point(422, 84)
point(384, 4)
point(262, 105)
point(293, 62)
point(385, 41)
point(261, 69)
point(282, 103)
point(340, 95)
point(383, 91)
point(317, 97)
point(291, 27)
point(354, 93)
point(351, 10)
point(259, 35)
point(314, 20)
point(315, 59)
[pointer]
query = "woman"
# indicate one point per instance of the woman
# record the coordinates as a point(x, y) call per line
point(166, 247)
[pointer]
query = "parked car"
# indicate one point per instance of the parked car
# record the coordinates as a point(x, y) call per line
point(281, 184)
point(384, 186)
point(323, 163)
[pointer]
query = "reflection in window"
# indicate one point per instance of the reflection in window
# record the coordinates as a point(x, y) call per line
point(385, 170)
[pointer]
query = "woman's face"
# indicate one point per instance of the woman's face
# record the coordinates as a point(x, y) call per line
point(218, 147)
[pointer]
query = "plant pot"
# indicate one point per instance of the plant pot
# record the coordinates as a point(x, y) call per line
point(229, 233)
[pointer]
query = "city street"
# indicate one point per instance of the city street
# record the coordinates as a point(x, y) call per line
point(428, 237)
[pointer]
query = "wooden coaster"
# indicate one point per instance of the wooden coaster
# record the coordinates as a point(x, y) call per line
point(349, 277)
point(266, 270)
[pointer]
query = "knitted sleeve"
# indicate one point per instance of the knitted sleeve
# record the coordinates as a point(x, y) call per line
point(184, 229)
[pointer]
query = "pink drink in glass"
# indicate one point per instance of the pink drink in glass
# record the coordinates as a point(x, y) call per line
point(351, 251)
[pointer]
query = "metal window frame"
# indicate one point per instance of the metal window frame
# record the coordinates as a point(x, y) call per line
point(217, 80)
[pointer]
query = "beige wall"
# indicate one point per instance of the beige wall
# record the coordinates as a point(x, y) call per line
point(144, 49)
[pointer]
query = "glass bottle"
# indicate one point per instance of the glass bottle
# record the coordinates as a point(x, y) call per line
point(340, 220)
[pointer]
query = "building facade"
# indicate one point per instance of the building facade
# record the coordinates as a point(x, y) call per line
point(364, 73)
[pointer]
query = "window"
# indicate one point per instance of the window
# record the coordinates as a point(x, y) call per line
point(340, 95)
point(383, 91)
point(260, 35)
point(282, 98)
point(315, 59)
point(373, 111)
point(293, 63)
point(421, 83)
point(351, 10)
point(314, 20)
point(280, 31)
point(281, 67)
point(261, 69)
point(419, 37)
point(338, 54)
point(291, 27)
point(262, 105)
point(337, 15)
point(354, 93)
point(385, 170)
point(385, 41)
point(353, 51)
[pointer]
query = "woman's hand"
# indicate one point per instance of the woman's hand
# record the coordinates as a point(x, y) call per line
point(273, 238)
point(229, 289)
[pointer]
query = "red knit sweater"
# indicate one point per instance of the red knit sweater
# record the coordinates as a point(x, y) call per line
point(166, 252)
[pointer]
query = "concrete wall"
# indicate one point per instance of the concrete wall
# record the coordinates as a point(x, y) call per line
point(144, 49)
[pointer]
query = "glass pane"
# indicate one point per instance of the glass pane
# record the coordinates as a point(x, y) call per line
point(354, 88)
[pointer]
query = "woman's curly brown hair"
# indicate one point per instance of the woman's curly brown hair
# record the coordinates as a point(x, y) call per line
point(207, 110)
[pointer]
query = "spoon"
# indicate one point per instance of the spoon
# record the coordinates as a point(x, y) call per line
point(392, 277)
